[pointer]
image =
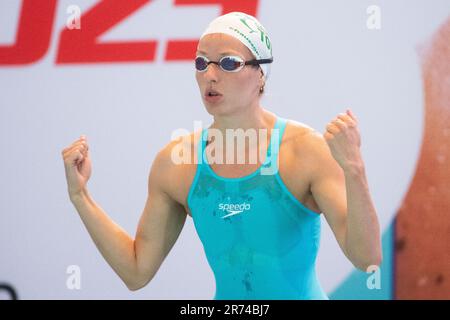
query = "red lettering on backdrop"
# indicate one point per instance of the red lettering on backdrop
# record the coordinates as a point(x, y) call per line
point(81, 46)
point(185, 49)
point(33, 33)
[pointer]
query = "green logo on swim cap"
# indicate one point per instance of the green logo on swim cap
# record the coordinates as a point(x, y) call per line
point(263, 36)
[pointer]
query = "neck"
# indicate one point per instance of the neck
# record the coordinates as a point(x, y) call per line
point(257, 119)
point(250, 118)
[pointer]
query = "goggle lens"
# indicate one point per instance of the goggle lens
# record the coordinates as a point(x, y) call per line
point(228, 63)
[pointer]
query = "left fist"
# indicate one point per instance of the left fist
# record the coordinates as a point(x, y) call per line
point(343, 138)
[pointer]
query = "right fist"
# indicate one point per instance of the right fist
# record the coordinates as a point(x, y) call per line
point(77, 164)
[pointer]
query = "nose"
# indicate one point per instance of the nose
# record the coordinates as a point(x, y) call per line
point(212, 72)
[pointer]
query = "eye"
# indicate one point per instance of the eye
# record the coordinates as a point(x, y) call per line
point(201, 63)
point(230, 63)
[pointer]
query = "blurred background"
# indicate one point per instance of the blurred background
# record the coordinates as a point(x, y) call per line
point(122, 73)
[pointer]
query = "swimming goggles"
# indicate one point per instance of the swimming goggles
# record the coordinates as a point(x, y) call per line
point(227, 63)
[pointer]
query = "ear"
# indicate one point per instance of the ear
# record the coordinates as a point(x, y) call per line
point(262, 78)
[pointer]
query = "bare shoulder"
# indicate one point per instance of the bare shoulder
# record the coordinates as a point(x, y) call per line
point(174, 166)
point(308, 146)
point(304, 138)
point(311, 146)
point(298, 161)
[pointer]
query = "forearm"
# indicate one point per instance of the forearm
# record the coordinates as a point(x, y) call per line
point(363, 231)
point(114, 243)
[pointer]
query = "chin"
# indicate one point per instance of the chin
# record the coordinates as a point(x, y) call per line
point(217, 109)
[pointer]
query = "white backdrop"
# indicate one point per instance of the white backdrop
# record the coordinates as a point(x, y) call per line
point(326, 59)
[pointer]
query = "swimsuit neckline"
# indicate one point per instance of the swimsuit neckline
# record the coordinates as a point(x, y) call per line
point(250, 175)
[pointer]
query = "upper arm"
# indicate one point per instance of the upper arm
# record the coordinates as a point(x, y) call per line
point(161, 221)
point(328, 188)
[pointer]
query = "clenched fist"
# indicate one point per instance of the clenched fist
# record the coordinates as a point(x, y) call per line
point(77, 164)
point(343, 138)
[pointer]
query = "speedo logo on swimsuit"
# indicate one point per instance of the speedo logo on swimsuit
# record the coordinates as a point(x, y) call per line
point(233, 208)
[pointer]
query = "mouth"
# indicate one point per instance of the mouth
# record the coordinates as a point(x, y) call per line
point(212, 93)
point(212, 96)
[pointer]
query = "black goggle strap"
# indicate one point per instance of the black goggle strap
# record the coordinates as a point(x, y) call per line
point(258, 62)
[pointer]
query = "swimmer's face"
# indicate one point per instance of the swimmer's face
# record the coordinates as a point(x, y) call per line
point(239, 89)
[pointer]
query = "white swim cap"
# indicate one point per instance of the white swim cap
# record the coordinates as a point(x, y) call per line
point(247, 30)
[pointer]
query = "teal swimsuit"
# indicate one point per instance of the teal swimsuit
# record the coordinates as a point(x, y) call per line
point(259, 240)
